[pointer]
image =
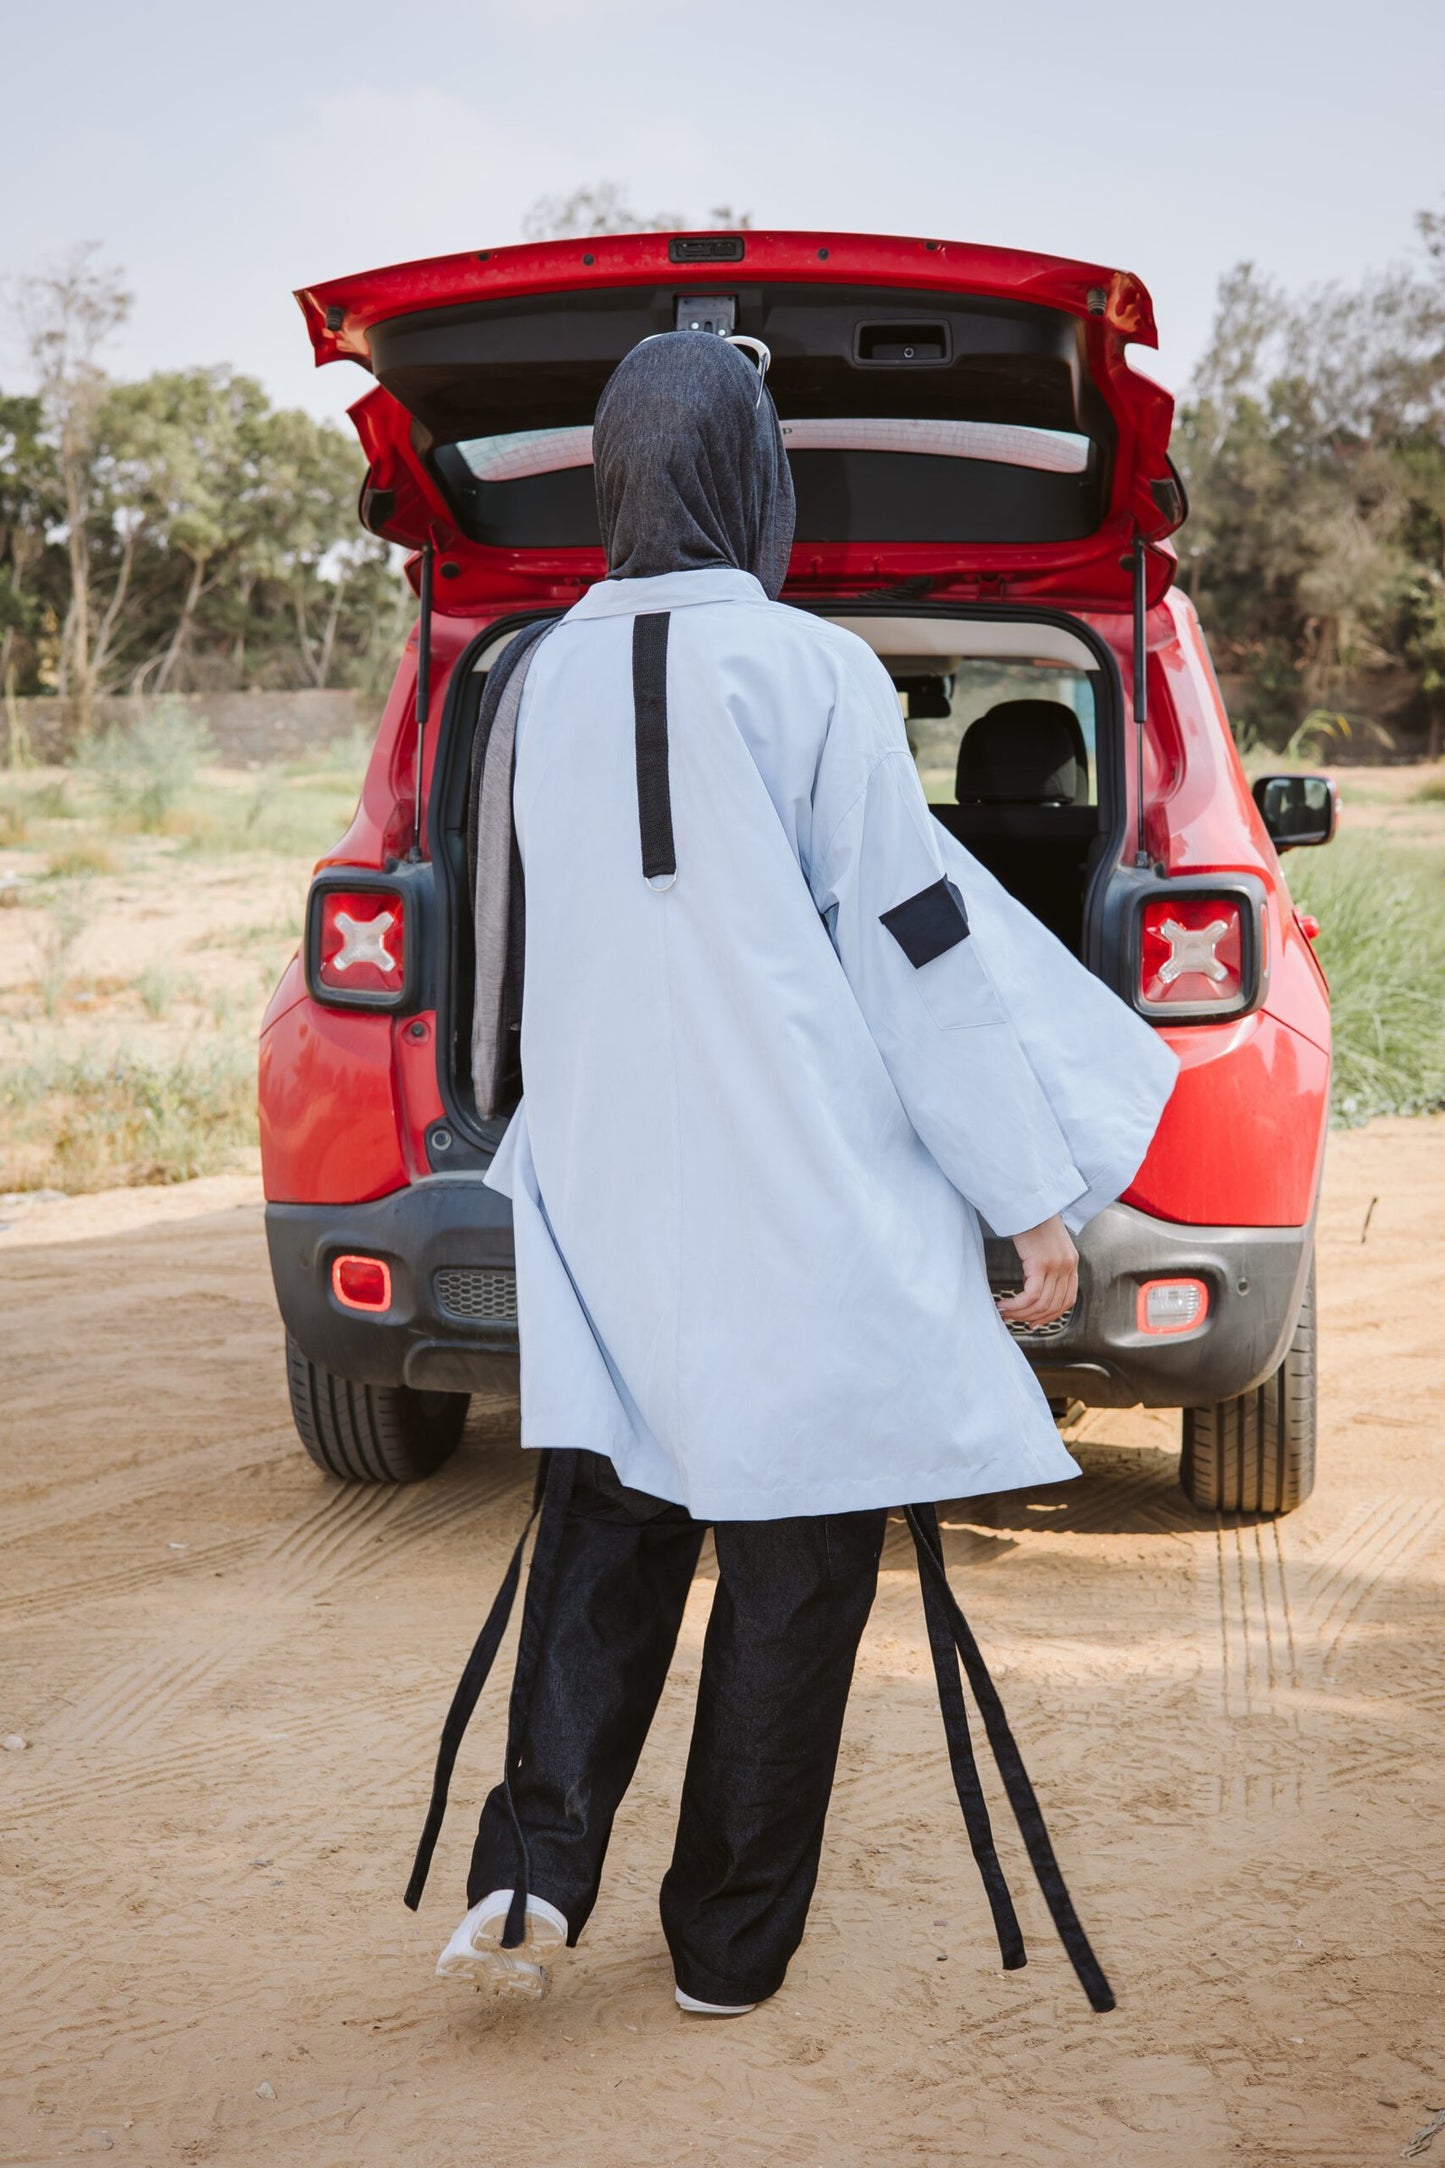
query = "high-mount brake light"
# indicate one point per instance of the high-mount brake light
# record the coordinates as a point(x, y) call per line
point(1192, 955)
point(1170, 1306)
point(358, 942)
point(362, 1283)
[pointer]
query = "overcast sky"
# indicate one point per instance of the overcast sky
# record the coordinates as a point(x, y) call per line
point(224, 155)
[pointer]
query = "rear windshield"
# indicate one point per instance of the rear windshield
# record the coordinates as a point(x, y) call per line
point(522, 452)
point(880, 478)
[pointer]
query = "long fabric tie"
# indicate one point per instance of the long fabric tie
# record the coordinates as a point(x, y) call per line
point(550, 1499)
point(951, 1641)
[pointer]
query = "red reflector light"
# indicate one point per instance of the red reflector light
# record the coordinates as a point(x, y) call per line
point(361, 947)
point(1191, 953)
point(1167, 1306)
point(362, 1283)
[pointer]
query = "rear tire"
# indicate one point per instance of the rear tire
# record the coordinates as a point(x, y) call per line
point(371, 1433)
point(1256, 1453)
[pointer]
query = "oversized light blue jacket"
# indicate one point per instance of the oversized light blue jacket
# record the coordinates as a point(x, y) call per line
point(756, 1139)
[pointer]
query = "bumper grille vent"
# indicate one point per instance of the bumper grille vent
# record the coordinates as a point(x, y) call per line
point(1030, 1334)
point(477, 1293)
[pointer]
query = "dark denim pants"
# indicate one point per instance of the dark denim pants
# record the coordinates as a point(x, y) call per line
point(792, 1600)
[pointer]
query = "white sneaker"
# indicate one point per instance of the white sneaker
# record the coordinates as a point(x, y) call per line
point(475, 1951)
point(712, 2009)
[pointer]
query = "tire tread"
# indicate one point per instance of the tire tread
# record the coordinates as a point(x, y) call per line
point(1255, 1453)
point(370, 1433)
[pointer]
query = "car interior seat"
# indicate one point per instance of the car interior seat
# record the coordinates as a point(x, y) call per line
point(1023, 808)
point(1024, 752)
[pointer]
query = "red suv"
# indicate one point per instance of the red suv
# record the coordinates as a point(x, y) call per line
point(984, 494)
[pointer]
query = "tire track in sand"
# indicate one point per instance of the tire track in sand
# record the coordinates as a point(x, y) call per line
point(1285, 1628)
point(114, 1738)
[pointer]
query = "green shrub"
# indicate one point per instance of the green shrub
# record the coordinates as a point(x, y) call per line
point(143, 770)
point(67, 913)
point(53, 802)
point(100, 1120)
point(263, 792)
point(156, 988)
point(1382, 945)
point(345, 756)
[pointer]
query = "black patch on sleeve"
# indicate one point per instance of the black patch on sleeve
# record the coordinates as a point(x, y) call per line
point(928, 924)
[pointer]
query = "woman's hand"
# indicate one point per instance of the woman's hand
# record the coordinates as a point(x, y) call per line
point(1051, 1275)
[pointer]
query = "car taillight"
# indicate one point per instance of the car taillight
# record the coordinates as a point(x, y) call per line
point(1169, 1306)
point(361, 1283)
point(359, 940)
point(361, 943)
point(1192, 955)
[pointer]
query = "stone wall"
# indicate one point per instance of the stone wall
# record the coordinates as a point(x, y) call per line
point(248, 730)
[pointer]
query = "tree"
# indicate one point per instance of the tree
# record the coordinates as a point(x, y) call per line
point(31, 573)
point(68, 315)
point(181, 461)
point(311, 541)
point(1312, 439)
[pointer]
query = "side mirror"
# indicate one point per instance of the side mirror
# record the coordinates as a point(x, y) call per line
point(1297, 809)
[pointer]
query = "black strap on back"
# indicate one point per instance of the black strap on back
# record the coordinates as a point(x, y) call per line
point(549, 1500)
point(649, 700)
point(951, 1641)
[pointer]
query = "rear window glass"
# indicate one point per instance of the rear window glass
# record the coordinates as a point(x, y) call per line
point(968, 690)
point(873, 478)
point(521, 452)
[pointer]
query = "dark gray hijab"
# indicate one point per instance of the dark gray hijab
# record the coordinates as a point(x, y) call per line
point(690, 465)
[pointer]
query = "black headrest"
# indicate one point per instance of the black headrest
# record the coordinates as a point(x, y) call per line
point(1024, 752)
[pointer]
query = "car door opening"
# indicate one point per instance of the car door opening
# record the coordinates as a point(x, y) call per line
point(1013, 722)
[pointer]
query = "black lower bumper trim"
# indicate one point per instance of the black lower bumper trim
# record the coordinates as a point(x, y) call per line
point(441, 1234)
point(1255, 1277)
point(450, 1233)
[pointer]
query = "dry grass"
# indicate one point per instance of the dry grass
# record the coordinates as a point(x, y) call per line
point(155, 903)
point(122, 1117)
point(85, 856)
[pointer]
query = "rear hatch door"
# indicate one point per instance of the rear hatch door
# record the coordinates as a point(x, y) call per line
point(961, 421)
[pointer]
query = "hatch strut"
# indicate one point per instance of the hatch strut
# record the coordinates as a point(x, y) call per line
point(423, 682)
point(1139, 563)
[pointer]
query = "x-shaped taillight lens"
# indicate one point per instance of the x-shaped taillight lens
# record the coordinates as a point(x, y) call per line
point(1191, 953)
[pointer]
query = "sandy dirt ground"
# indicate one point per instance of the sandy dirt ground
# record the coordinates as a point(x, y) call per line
point(228, 1673)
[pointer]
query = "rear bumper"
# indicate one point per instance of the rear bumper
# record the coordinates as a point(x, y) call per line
point(448, 1241)
point(1255, 1277)
point(452, 1323)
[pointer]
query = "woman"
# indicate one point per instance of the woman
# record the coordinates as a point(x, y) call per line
point(785, 1043)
